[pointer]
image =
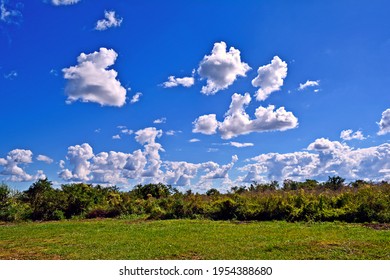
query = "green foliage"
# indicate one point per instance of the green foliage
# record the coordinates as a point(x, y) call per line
point(5, 192)
point(295, 201)
point(212, 192)
point(309, 184)
point(155, 190)
point(78, 198)
point(263, 187)
point(334, 183)
point(239, 190)
point(43, 200)
point(58, 215)
point(6, 210)
point(103, 212)
point(224, 209)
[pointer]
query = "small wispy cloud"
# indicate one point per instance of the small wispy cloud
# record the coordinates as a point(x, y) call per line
point(45, 159)
point(110, 21)
point(136, 97)
point(53, 72)
point(64, 2)
point(11, 75)
point(241, 145)
point(309, 84)
point(127, 131)
point(11, 14)
point(116, 137)
point(194, 140)
point(161, 120)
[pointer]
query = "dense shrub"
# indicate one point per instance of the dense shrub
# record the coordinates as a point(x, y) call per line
point(155, 190)
point(333, 200)
point(224, 209)
point(45, 202)
point(101, 212)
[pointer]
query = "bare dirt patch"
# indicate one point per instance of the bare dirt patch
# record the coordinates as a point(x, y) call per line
point(186, 256)
point(378, 226)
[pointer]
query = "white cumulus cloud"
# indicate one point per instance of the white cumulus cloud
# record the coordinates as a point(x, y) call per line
point(181, 173)
point(79, 157)
point(13, 166)
point(221, 68)
point(142, 165)
point(323, 158)
point(384, 123)
point(110, 21)
point(237, 121)
point(148, 135)
point(45, 159)
point(270, 78)
point(91, 81)
point(348, 134)
point(206, 124)
point(174, 82)
point(324, 144)
point(219, 172)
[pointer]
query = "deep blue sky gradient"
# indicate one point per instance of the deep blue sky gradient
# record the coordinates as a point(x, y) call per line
point(344, 44)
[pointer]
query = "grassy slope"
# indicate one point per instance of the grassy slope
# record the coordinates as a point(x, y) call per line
point(191, 239)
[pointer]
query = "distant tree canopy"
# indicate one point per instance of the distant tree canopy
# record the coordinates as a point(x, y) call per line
point(358, 201)
point(152, 190)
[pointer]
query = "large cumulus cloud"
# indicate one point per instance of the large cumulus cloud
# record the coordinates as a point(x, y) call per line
point(91, 81)
point(322, 158)
point(141, 165)
point(14, 166)
point(270, 78)
point(237, 121)
point(384, 123)
point(221, 68)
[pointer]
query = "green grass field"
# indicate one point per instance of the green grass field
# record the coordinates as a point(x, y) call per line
point(191, 239)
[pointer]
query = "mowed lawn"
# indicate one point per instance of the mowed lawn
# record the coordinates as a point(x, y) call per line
point(191, 239)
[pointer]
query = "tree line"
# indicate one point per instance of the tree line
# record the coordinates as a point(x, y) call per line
point(333, 200)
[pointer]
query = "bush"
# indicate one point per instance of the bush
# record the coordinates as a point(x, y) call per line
point(58, 215)
point(101, 212)
point(296, 201)
point(157, 213)
point(154, 190)
point(225, 209)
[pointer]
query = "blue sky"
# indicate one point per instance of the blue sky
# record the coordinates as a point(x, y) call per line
point(196, 94)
